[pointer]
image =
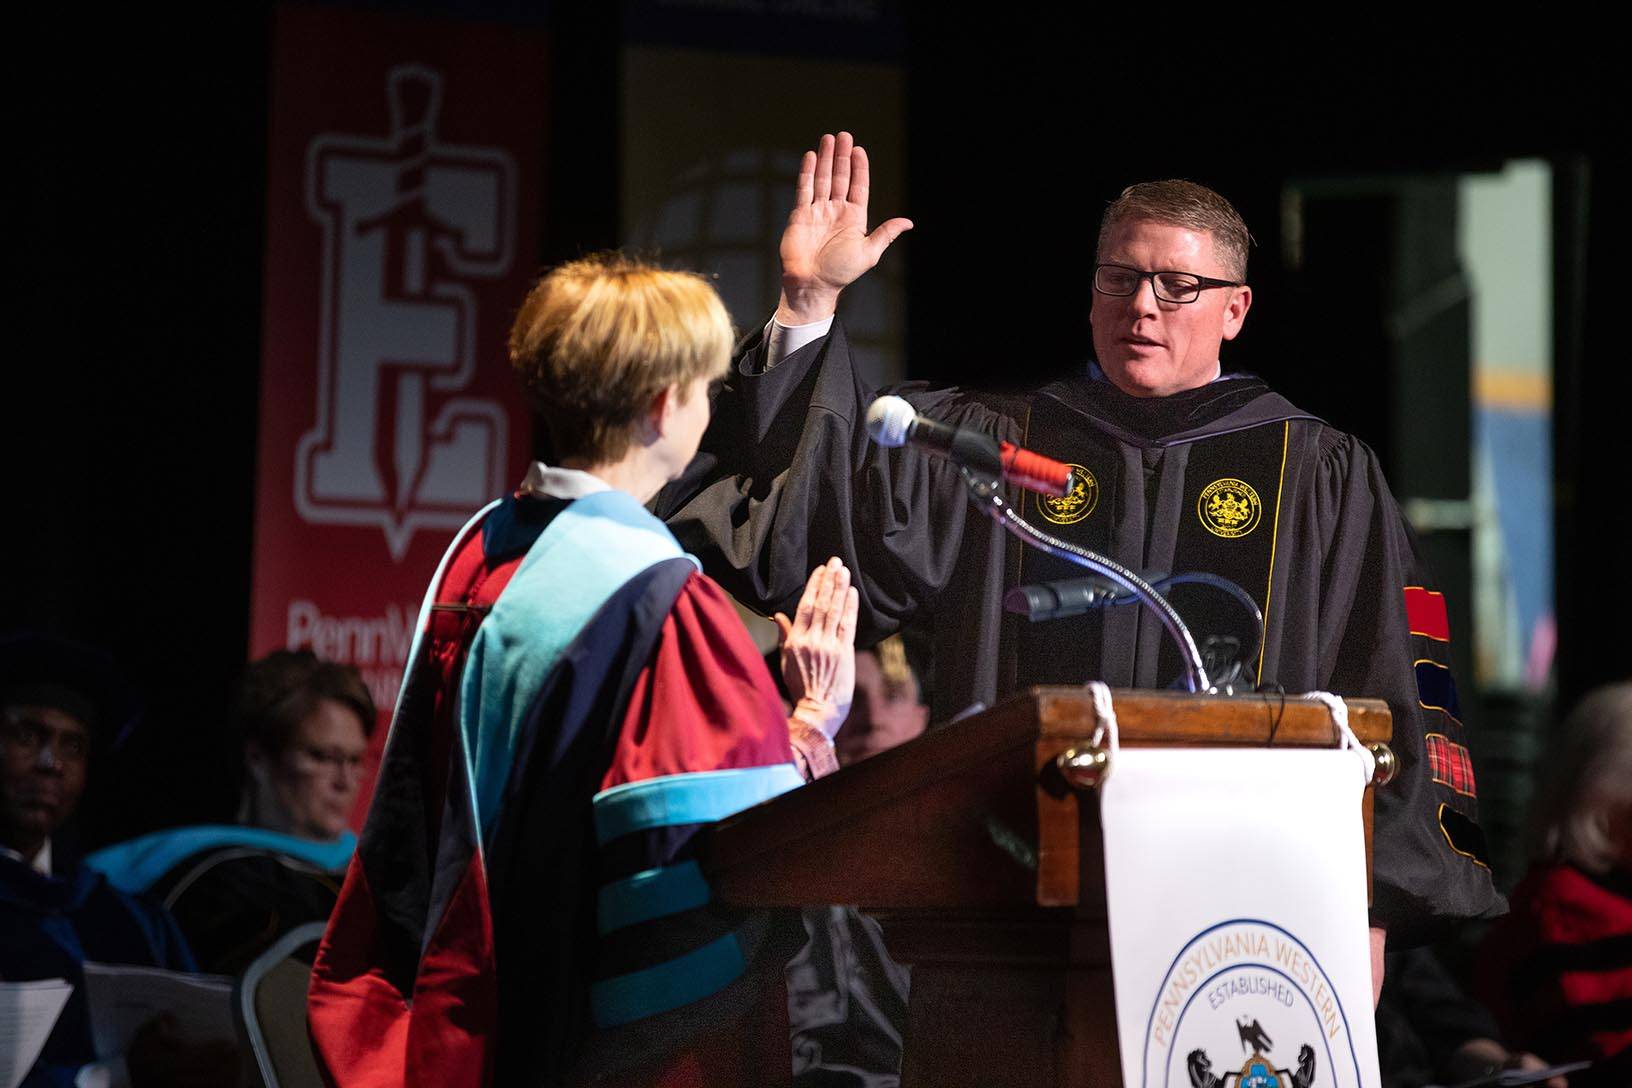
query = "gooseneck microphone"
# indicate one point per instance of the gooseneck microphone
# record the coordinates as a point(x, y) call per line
point(892, 423)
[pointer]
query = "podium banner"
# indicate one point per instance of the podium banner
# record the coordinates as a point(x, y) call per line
point(1236, 888)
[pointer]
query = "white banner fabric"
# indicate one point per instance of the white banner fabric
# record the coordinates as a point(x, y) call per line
point(1236, 888)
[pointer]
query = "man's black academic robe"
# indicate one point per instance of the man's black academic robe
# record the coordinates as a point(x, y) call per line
point(1230, 479)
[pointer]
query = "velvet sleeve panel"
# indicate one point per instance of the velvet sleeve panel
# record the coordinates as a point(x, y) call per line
point(1430, 864)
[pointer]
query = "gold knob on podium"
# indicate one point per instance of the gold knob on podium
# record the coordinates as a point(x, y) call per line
point(1083, 768)
point(1388, 765)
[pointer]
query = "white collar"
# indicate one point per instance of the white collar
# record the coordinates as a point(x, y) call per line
point(41, 863)
point(542, 481)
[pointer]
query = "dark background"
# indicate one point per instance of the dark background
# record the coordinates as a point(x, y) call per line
point(132, 384)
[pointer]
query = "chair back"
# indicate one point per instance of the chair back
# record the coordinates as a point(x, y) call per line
point(271, 1003)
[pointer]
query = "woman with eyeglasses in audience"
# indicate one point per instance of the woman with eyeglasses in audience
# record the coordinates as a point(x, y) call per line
point(304, 725)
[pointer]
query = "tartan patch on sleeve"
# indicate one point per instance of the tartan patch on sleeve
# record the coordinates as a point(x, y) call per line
point(1450, 764)
point(1436, 690)
point(1425, 613)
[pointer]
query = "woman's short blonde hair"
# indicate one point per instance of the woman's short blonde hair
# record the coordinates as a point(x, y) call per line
point(597, 339)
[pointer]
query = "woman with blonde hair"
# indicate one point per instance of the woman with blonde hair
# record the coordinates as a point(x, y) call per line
point(1558, 970)
point(524, 905)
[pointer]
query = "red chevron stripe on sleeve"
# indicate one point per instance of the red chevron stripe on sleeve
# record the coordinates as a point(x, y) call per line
point(1425, 613)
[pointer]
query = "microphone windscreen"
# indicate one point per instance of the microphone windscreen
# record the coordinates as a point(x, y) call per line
point(887, 421)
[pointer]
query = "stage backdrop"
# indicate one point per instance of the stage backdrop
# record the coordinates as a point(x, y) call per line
point(403, 183)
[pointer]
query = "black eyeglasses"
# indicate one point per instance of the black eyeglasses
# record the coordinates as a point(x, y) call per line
point(1120, 281)
point(332, 759)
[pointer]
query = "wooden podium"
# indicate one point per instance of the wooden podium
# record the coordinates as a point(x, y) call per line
point(978, 848)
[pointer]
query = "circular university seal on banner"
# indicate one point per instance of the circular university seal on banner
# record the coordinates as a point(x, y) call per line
point(1077, 504)
point(1229, 508)
point(1246, 1002)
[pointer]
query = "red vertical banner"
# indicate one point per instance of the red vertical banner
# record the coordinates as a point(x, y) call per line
point(403, 188)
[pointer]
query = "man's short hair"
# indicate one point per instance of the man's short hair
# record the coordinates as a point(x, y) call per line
point(598, 338)
point(282, 689)
point(1178, 203)
point(894, 669)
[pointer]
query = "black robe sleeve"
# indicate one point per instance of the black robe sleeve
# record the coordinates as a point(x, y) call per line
point(1430, 865)
point(1424, 1020)
point(787, 477)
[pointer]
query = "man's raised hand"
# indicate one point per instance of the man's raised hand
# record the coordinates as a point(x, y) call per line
point(825, 246)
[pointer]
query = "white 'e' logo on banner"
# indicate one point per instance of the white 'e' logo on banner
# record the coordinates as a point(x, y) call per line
point(409, 224)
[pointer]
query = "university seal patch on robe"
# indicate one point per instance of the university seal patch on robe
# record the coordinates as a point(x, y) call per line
point(1228, 478)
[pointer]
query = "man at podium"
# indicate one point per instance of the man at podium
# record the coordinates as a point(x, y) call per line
point(1178, 466)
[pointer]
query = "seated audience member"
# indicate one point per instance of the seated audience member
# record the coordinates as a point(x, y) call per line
point(886, 710)
point(1558, 970)
point(847, 999)
point(847, 1002)
point(234, 890)
point(305, 724)
point(525, 906)
point(1430, 1031)
point(60, 704)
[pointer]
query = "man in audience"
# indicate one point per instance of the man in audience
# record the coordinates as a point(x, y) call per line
point(847, 999)
point(59, 703)
point(887, 710)
point(1430, 1031)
